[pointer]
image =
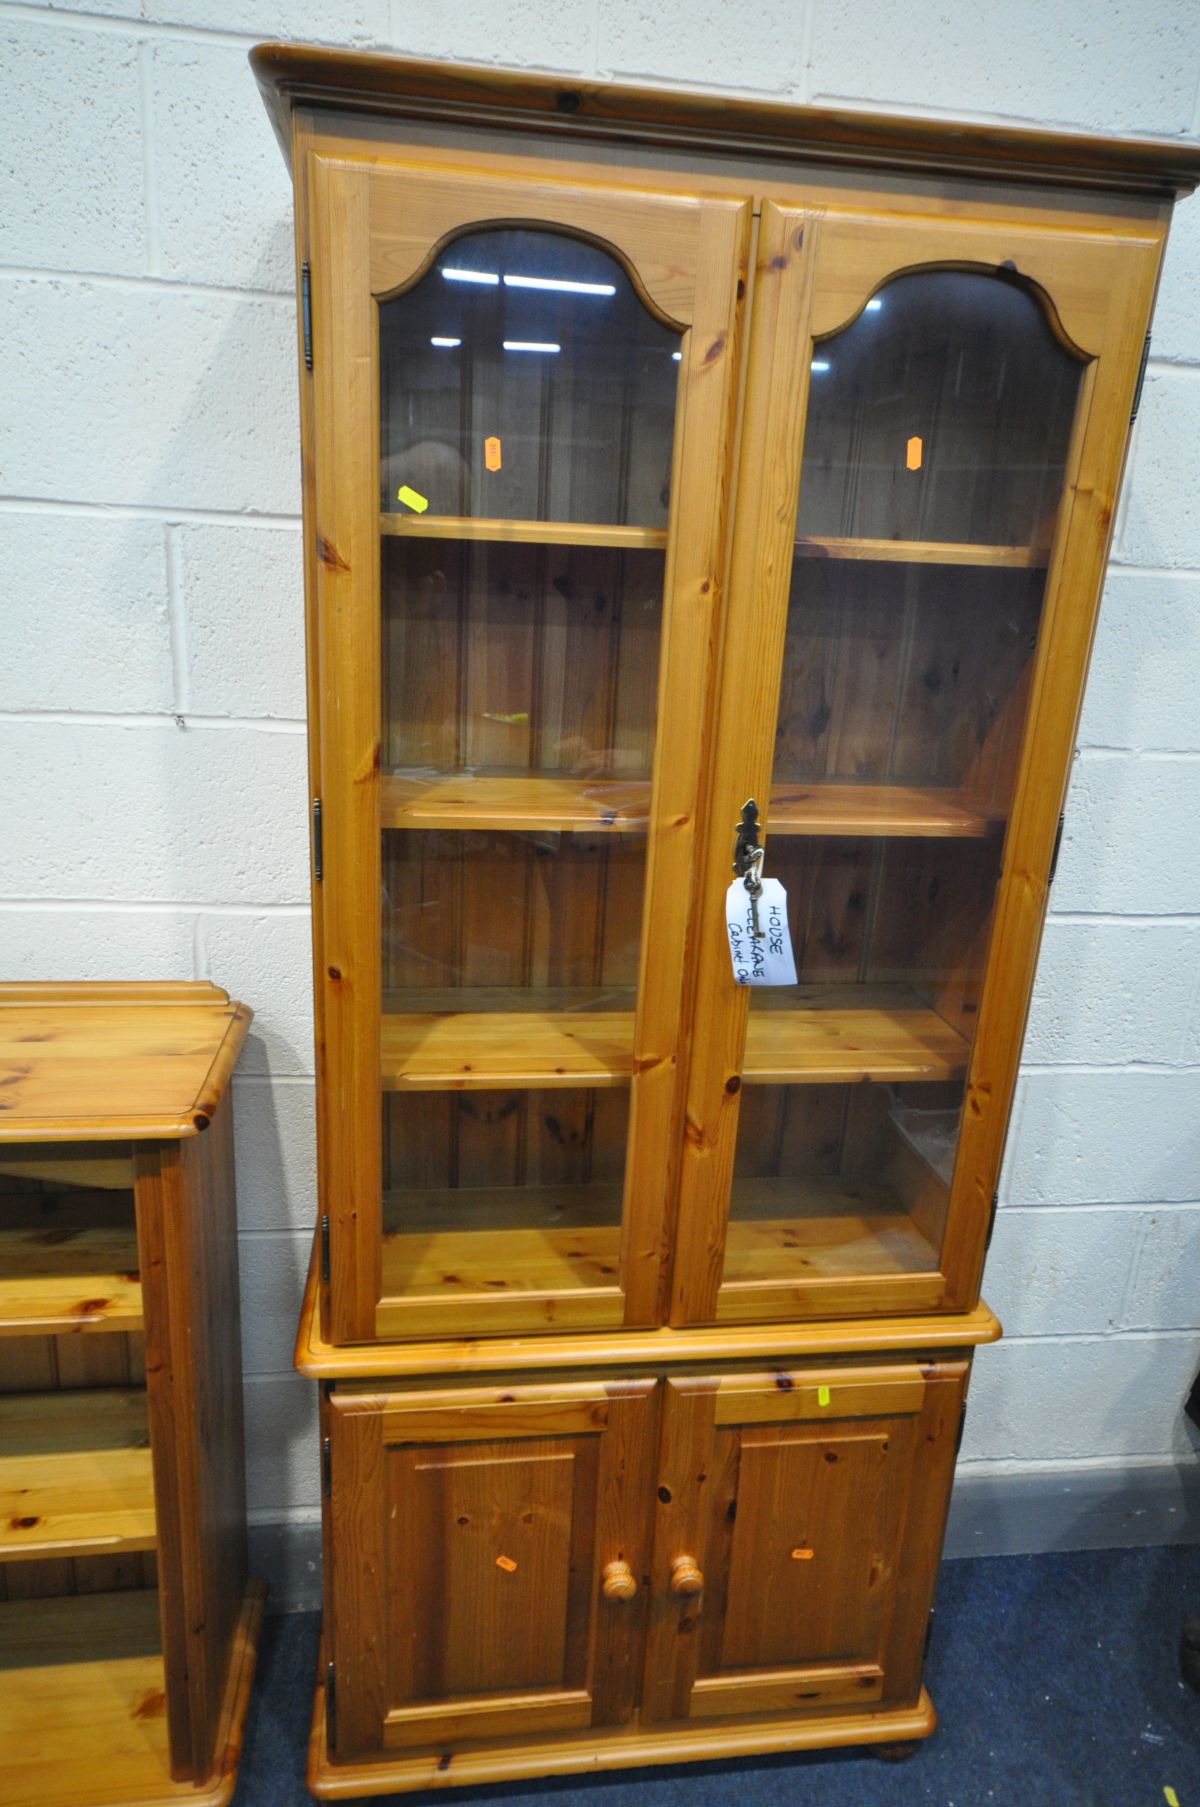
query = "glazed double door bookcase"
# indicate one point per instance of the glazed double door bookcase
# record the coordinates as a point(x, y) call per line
point(633, 508)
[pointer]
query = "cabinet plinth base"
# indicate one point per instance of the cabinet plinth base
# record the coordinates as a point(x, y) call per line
point(616, 1747)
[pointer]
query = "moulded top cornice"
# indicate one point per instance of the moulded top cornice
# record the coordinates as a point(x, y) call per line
point(293, 75)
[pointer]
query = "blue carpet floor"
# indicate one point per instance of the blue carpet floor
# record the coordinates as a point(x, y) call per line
point(1056, 1680)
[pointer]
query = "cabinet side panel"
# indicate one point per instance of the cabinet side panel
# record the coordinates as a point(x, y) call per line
point(187, 1228)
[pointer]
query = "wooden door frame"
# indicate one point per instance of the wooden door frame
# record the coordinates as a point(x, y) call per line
point(815, 273)
point(374, 233)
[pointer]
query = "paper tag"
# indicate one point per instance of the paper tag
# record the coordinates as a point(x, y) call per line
point(765, 960)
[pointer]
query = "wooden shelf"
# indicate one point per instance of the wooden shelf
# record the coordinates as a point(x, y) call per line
point(785, 1230)
point(538, 1043)
point(926, 552)
point(75, 1476)
point(558, 801)
point(66, 1266)
point(833, 1035)
point(520, 800)
point(877, 809)
point(82, 1721)
point(806, 1035)
point(501, 1241)
point(526, 533)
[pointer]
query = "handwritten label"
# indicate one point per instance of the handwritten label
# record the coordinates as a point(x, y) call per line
point(766, 959)
point(491, 453)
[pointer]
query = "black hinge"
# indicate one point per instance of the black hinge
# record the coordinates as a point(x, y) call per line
point(318, 842)
point(987, 1242)
point(330, 1706)
point(325, 1250)
point(327, 1468)
point(1058, 835)
point(962, 1425)
point(306, 313)
point(1137, 394)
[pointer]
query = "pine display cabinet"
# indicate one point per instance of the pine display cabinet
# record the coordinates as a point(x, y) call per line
point(706, 508)
point(128, 1627)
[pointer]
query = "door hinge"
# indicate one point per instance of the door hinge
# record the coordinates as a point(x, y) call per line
point(325, 1250)
point(318, 842)
point(1141, 378)
point(330, 1706)
point(1058, 835)
point(987, 1241)
point(327, 1468)
point(962, 1425)
point(306, 312)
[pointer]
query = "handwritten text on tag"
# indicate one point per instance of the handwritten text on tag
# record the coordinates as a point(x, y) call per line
point(766, 959)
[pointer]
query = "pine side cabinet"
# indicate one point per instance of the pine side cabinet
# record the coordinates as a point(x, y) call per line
point(128, 1626)
point(706, 507)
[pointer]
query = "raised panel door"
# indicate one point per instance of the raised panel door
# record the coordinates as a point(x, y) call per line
point(798, 1523)
point(488, 1557)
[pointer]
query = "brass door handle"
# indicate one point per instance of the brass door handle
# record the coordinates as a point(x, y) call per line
point(685, 1576)
point(619, 1582)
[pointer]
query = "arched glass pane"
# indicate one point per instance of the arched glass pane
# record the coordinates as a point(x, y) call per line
point(935, 449)
point(524, 379)
point(964, 365)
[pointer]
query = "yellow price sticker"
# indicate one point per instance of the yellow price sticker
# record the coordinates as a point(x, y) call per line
point(412, 498)
point(822, 1395)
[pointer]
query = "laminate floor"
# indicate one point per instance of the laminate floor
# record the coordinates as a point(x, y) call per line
point(1055, 1677)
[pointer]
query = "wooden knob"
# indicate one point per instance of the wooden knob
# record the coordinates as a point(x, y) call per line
point(619, 1581)
point(685, 1576)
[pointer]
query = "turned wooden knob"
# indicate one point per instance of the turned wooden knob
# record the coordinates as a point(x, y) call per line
point(619, 1581)
point(685, 1576)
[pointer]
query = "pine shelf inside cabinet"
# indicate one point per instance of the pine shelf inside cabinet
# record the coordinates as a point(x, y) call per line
point(565, 802)
point(815, 1034)
point(75, 1474)
point(517, 533)
point(926, 552)
point(68, 1264)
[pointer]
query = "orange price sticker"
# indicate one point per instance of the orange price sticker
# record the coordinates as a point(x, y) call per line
point(802, 1555)
point(914, 452)
point(506, 1563)
point(491, 453)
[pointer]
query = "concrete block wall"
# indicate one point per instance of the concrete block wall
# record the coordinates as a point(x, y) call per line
point(151, 683)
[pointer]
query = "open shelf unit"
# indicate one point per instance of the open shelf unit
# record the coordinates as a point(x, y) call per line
point(127, 1623)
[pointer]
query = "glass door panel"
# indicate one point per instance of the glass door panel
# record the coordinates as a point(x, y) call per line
point(878, 720)
point(934, 459)
point(545, 539)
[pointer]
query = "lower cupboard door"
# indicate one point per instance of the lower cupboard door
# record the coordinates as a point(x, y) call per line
point(489, 1547)
point(799, 1519)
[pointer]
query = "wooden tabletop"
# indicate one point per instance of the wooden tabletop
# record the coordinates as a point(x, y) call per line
point(85, 1063)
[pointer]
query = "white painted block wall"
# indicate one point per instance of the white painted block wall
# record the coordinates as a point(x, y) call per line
point(152, 792)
